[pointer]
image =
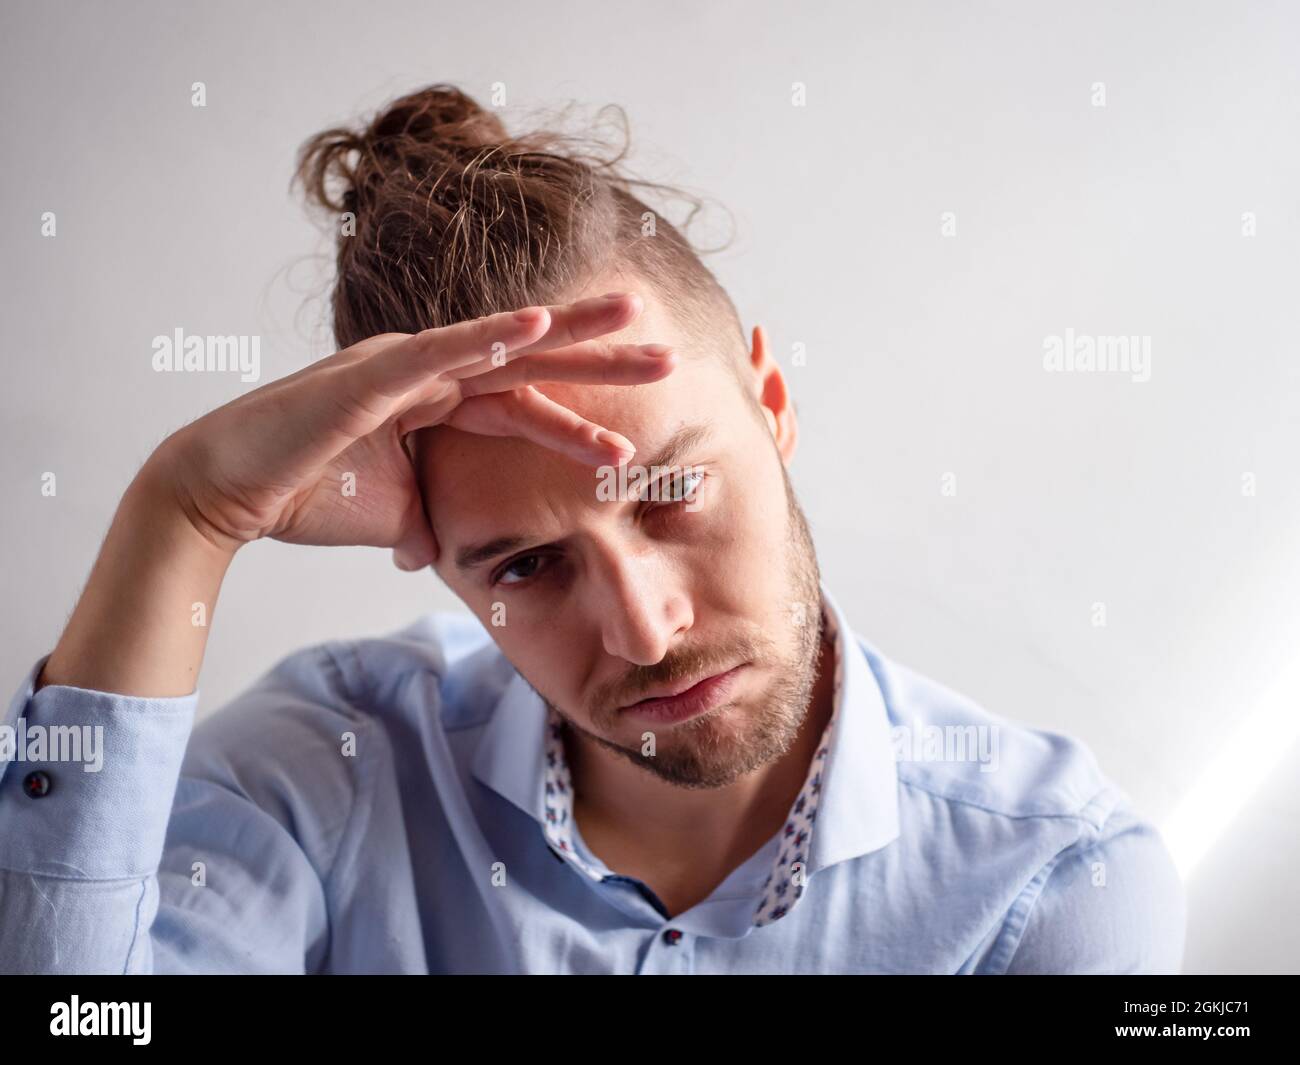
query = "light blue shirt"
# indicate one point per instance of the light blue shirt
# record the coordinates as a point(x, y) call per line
point(387, 805)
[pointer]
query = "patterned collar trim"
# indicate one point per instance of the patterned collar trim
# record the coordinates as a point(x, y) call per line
point(785, 884)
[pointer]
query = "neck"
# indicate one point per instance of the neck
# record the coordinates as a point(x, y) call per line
point(641, 825)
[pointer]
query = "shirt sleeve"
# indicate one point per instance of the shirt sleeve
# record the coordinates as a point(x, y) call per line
point(112, 862)
point(1114, 904)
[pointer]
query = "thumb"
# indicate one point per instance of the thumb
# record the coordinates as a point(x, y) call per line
point(417, 548)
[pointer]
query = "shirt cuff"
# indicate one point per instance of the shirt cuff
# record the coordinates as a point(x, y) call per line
point(87, 779)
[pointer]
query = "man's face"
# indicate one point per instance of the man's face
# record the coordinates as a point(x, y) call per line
point(603, 600)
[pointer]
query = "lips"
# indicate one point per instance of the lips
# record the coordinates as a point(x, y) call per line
point(686, 702)
point(667, 691)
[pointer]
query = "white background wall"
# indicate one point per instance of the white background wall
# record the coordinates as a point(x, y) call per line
point(924, 353)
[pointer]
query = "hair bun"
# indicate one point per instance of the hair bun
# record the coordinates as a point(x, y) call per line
point(448, 218)
point(437, 115)
point(434, 129)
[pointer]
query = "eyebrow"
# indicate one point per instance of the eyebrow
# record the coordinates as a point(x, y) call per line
point(686, 440)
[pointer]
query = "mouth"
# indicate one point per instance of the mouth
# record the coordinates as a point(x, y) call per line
point(685, 703)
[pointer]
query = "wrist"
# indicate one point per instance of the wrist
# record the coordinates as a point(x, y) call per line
point(155, 499)
point(141, 624)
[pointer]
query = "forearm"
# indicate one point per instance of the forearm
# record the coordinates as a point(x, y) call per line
point(81, 871)
point(141, 624)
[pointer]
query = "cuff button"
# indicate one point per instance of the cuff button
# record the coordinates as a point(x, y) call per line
point(37, 784)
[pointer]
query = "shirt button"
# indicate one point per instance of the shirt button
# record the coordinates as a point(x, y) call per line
point(671, 936)
point(37, 784)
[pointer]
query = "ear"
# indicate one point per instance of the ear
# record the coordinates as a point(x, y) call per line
point(773, 396)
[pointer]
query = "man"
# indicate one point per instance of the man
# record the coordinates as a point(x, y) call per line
point(657, 747)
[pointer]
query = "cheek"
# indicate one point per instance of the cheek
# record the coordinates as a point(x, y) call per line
point(747, 530)
point(755, 570)
point(525, 643)
point(543, 652)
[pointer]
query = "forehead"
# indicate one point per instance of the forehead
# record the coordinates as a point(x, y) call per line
point(482, 485)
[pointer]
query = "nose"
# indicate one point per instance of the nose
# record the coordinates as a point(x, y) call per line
point(641, 606)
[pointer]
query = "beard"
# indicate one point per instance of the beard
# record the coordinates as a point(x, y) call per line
point(718, 747)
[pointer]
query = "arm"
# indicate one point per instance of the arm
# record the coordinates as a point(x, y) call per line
point(1112, 905)
point(99, 874)
point(97, 869)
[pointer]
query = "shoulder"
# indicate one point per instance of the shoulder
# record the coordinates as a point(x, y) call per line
point(442, 663)
point(952, 747)
point(327, 721)
point(1115, 904)
point(1089, 884)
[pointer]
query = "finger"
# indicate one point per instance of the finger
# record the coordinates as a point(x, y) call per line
point(358, 352)
point(491, 342)
point(591, 363)
point(417, 547)
point(399, 367)
point(528, 414)
point(433, 412)
point(586, 318)
point(362, 349)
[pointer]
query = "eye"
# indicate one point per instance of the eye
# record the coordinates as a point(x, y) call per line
point(676, 487)
point(523, 562)
point(668, 491)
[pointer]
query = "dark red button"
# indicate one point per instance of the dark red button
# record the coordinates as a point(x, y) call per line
point(671, 936)
point(37, 784)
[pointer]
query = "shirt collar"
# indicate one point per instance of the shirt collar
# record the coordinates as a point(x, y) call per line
point(848, 805)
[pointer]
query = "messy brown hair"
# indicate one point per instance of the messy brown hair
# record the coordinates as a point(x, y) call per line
point(455, 219)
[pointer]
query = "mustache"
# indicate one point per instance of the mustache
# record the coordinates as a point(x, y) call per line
point(695, 664)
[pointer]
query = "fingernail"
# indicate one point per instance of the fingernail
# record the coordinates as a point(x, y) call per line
point(613, 295)
point(616, 440)
point(657, 350)
point(529, 314)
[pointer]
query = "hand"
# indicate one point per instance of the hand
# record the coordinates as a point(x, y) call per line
point(273, 462)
